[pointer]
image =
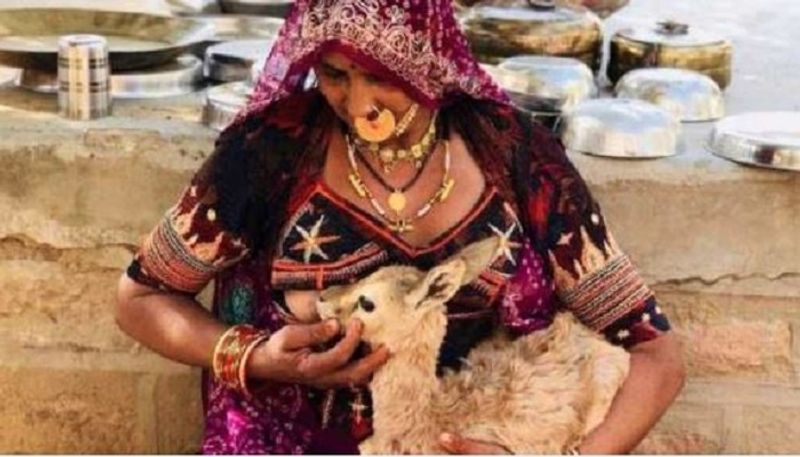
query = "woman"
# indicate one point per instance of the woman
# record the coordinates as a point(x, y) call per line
point(404, 152)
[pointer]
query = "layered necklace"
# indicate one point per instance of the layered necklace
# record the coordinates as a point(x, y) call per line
point(389, 157)
point(397, 200)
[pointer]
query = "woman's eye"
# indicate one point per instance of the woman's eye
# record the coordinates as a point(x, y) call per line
point(366, 304)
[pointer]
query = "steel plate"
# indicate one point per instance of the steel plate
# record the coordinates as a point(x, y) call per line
point(233, 60)
point(29, 37)
point(764, 139)
point(275, 8)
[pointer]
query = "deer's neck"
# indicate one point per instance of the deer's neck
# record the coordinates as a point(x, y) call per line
point(402, 390)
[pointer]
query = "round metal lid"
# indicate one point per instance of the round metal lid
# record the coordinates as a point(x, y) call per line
point(671, 33)
point(223, 102)
point(232, 60)
point(622, 128)
point(229, 27)
point(182, 76)
point(489, 15)
point(690, 96)
point(764, 139)
point(278, 8)
point(29, 37)
point(567, 81)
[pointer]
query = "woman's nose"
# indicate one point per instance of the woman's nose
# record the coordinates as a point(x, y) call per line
point(359, 103)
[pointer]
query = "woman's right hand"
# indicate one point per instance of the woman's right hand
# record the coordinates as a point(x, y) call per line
point(288, 356)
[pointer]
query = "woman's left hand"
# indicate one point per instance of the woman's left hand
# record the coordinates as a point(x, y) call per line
point(457, 444)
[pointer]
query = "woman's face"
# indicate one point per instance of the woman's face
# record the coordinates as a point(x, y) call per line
point(353, 92)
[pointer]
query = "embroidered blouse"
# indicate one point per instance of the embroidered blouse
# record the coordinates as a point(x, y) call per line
point(558, 255)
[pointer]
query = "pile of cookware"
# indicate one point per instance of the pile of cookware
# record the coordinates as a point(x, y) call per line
point(150, 55)
point(547, 57)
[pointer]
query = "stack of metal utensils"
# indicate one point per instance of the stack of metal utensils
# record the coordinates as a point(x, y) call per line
point(149, 55)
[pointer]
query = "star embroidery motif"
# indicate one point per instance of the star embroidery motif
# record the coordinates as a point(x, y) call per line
point(312, 241)
point(564, 239)
point(506, 245)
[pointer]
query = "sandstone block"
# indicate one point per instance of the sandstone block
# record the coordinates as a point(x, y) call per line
point(50, 411)
point(180, 413)
point(686, 429)
point(771, 430)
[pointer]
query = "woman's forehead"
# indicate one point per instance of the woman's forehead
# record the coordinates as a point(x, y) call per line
point(341, 62)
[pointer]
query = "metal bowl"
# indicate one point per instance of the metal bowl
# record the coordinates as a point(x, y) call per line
point(621, 128)
point(233, 60)
point(561, 82)
point(764, 139)
point(29, 37)
point(690, 96)
point(275, 8)
point(224, 102)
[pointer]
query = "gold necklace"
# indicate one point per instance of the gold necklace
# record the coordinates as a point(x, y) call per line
point(398, 224)
point(390, 157)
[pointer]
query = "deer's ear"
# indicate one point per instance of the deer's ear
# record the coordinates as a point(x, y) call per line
point(477, 257)
point(438, 286)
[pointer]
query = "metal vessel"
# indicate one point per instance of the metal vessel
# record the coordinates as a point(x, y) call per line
point(621, 128)
point(670, 44)
point(495, 33)
point(233, 60)
point(602, 8)
point(223, 102)
point(690, 96)
point(763, 139)
point(29, 37)
point(546, 83)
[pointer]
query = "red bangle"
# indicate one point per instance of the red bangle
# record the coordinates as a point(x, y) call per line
point(231, 352)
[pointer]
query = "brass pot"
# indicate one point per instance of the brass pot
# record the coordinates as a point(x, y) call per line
point(674, 45)
point(541, 29)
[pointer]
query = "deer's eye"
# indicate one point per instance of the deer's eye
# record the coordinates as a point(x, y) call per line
point(366, 304)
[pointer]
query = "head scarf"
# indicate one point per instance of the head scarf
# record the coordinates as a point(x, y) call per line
point(415, 44)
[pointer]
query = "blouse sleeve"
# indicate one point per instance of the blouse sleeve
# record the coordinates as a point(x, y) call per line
point(593, 278)
point(189, 245)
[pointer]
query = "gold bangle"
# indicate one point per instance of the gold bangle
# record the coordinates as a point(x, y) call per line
point(231, 351)
point(264, 336)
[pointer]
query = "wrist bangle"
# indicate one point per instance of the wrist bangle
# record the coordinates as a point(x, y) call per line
point(231, 352)
point(573, 451)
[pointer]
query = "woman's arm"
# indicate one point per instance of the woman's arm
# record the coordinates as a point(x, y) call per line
point(655, 378)
point(178, 328)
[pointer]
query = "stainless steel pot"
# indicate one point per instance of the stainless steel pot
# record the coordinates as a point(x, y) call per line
point(763, 139)
point(276, 8)
point(554, 83)
point(495, 33)
point(29, 37)
point(224, 102)
point(690, 96)
point(621, 128)
point(9, 77)
point(233, 60)
point(670, 44)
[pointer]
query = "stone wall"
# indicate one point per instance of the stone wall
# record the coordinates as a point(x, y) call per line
point(719, 242)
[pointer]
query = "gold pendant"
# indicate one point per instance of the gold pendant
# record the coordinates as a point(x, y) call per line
point(401, 226)
point(397, 201)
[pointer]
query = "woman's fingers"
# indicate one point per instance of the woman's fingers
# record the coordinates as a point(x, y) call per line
point(317, 364)
point(457, 444)
point(307, 335)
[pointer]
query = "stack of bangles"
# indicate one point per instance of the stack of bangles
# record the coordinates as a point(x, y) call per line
point(231, 352)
